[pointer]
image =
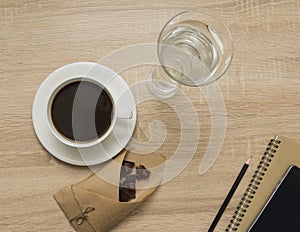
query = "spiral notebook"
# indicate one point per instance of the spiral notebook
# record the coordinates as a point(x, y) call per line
point(280, 154)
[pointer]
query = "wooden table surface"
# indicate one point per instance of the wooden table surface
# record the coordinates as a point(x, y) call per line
point(260, 92)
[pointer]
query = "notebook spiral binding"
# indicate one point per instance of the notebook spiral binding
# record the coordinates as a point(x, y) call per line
point(253, 185)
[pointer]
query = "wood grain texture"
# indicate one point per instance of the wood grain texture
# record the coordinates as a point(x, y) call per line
point(260, 90)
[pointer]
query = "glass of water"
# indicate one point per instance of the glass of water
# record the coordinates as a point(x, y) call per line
point(194, 49)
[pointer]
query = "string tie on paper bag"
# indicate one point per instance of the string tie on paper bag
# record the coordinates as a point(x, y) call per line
point(80, 218)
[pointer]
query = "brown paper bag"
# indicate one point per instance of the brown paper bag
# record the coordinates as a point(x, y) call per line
point(93, 204)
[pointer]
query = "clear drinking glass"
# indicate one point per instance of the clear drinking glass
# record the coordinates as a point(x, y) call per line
point(194, 49)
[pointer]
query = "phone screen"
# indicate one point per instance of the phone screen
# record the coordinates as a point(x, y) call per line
point(282, 211)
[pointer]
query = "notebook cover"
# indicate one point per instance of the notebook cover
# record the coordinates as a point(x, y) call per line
point(280, 154)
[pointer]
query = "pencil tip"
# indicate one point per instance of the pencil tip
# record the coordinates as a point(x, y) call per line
point(249, 160)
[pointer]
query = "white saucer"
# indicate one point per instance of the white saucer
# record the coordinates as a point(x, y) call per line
point(110, 146)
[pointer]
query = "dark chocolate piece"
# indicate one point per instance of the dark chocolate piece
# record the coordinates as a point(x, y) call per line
point(127, 183)
point(142, 172)
point(125, 195)
point(127, 167)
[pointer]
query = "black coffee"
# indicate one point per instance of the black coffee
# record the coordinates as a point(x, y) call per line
point(82, 111)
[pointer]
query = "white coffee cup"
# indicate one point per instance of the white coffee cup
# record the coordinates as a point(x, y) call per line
point(102, 77)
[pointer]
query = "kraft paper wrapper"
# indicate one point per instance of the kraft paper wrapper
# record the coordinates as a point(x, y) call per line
point(93, 204)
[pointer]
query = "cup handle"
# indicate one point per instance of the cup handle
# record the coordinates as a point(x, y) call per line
point(124, 114)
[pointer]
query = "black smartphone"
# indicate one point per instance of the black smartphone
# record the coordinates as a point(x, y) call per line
point(282, 211)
